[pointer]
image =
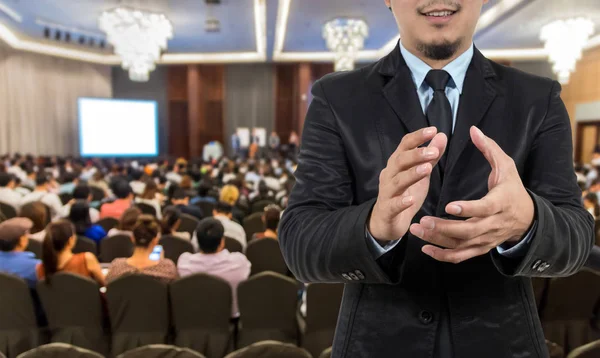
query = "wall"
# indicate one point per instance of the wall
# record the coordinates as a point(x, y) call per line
point(539, 68)
point(155, 89)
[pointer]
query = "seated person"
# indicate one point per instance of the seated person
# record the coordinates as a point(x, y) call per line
point(80, 217)
point(223, 213)
point(8, 195)
point(230, 195)
point(152, 197)
point(137, 185)
point(270, 218)
point(58, 256)
point(13, 257)
point(126, 222)
point(124, 201)
point(82, 192)
point(43, 192)
point(69, 181)
point(170, 224)
point(145, 238)
point(214, 259)
point(203, 193)
point(38, 214)
point(181, 201)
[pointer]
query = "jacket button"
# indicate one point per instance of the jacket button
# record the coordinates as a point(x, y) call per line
point(360, 275)
point(346, 277)
point(536, 264)
point(426, 317)
point(353, 276)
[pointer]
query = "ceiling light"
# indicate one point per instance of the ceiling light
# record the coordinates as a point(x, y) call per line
point(564, 41)
point(345, 38)
point(138, 37)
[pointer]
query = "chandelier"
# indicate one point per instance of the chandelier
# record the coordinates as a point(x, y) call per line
point(345, 37)
point(564, 41)
point(138, 38)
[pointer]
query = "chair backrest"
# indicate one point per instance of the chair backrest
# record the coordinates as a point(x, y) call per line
point(270, 349)
point(268, 301)
point(138, 306)
point(8, 210)
point(206, 207)
point(160, 351)
point(259, 206)
point(326, 353)
point(590, 350)
point(83, 244)
point(555, 350)
point(65, 197)
point(97, 193)
point(108, 223)
point(188, 224)
point(18, 327)
point(323, 301)
point(35, 246)
point(572, 298)
point(265, 255)
point(147, 209)
point(253, 224)
point(115, 246)
point(174, 246)
point(232, 245)
point(60, 350)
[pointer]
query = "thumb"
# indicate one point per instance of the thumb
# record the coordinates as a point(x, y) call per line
point(488, 147)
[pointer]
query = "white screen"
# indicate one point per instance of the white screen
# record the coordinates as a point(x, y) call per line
point(112, 127)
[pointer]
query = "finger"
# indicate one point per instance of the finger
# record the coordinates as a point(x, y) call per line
point(439, 142)
point(454, 256)
point(456, 230)
point(488, 147)
point(403, 180)
point(489, 205)
point(398, 204)
point(426, 235)
point(414, 157)
point(416, 138)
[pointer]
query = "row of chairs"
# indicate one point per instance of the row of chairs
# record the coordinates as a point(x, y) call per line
point(193, 312)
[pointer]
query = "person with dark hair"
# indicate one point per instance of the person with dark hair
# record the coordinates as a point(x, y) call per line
point(14, 239)
point(171, 220)
point(173, 174)
point(214, 259)
point(270, 218)
point(124, 200)
point(137, 184)
point(38, 214)
point(590, 202)
point(145, 237)
point(82, 193)
point(69, 181)
point(224, 213)
point(79, 215)
point(42, 193)
point(58, 256)
point(98, 181)
point(8, 195)
point(204, 189)
point(127, 222)
point(182, 202)
point(151, 196)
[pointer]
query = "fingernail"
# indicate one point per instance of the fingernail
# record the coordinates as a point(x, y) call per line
point(428, 223)
point(407, 200)
point(429, 131)
point(454, 209)
point(429, 153)
point(422, 169)
point(417, 231)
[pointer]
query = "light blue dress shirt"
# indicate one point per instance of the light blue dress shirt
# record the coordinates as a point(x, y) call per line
point(457, 70)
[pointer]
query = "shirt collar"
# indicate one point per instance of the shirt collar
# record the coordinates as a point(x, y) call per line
point(457, 68)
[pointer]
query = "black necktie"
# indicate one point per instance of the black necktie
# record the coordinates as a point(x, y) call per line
point(439, 112)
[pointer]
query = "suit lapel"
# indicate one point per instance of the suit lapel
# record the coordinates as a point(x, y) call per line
point(476, 98)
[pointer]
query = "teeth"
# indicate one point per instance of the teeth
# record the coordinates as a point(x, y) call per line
point(440, 13)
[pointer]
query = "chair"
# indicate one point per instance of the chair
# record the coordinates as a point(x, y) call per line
point(265, 255)
point(188, 224)
point(201, 309)
point(116, 246)
point(590, 350)
point(268, 303)
point(65, 197)
point(555, 350)
point(108, 223)
point(138, 306)
point(270, 349)
point(259, 206)
point(570, 307)
point(74, 311)
point(174, 246)
point(18, 326)
point(253, 224)
point(232, 245)
point(327, 353)
point(35, 246)
point(98, 194)
point(323, 303)
point(8, 210)
point(147, 209)
point(206, 207)
point(83, 244)
point(60, 350)
point(160, 351)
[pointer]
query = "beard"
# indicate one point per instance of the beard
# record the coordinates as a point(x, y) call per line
point(439, 51)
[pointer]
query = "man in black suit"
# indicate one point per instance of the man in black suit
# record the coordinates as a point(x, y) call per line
point(434, 226)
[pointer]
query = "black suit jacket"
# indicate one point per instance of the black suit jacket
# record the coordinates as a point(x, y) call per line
point(406, 304)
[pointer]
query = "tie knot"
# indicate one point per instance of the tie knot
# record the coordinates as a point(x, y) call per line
point(437, 79)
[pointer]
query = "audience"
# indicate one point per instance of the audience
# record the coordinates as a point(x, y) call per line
point(137, 185)
point(42, 193)
point(223, 213)
point(14, 259)
point(124, 201)
point(38, 214)
point(57, 255)
point(590, 202)
point(170, 224)
point(69, 181)
point(152, 197)
point(181, 201)
point(145, 237)
point(204, 189)
point(81, 193)
point(7, 193)
point(126, 222)
point(80, 217)
point(99, 182)
point(270, 218)
point(214, 259)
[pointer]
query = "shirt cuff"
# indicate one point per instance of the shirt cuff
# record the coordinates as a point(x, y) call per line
point(378, 248)
point(520, 249)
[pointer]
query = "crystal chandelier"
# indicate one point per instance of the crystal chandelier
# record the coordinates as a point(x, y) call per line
point(138, 38)
point(564, 41)
point(345, 37)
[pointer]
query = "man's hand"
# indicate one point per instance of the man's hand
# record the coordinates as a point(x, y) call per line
point(404, 183)
point(503, 215)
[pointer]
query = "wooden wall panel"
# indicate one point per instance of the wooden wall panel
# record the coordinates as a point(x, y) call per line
point(286, 102)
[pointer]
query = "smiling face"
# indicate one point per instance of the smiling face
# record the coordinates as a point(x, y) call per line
point(437, 29)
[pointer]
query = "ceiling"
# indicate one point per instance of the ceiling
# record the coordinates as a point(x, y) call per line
point(258, 30)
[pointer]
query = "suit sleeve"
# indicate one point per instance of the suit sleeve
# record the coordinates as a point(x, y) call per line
point(565, 230)
point(322, 232)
